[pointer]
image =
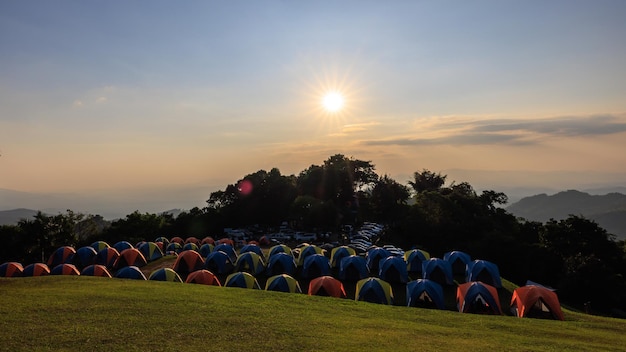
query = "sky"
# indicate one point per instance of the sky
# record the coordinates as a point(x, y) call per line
point(156, 104)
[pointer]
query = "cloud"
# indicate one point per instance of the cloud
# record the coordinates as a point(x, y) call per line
point(500, 131)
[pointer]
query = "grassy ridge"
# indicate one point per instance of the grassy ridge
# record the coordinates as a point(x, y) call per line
point(67, 313)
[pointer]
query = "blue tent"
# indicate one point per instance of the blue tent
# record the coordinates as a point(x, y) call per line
point(107, 257)
point(165, 274)
point(339, 253)
point(482, 270)
point(307, 251)
point(84, 257)
point(393, 269)
point(438, 270)
point(353, 268)
point(458, 260)
point(122, 245)
point(374, 290)
point(280, 248)
point(315, 265)
point(373, 257)
point(281, 263)
point(478, 298)
point(130, 272)
point(250, 262)
point(218, 262)
point(242, 280)
point(174, 247)
point(228, 249)
point(206, 249)
point(283, 283)
point(252, 248)
point(424, 293)
point(150, 251)
point(414, 259)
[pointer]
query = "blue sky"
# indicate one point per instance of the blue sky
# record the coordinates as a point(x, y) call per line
point(129, 96)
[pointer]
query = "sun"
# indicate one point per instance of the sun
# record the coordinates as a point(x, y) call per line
point(333, 102)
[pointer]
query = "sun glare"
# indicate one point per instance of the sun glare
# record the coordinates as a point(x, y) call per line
point(333, 102)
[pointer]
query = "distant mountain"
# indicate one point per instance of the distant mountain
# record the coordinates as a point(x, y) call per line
point(608, 210)
point(11, 217)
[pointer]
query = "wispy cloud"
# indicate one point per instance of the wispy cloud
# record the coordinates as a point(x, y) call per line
point(500, 131)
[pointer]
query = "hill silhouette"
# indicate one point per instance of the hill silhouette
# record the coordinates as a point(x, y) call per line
point(608, 210)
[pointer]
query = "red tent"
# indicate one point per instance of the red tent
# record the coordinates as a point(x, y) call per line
point(536, 302)
point(203, 277)
point(327, 286)
point(130, 257)
point(188, 262)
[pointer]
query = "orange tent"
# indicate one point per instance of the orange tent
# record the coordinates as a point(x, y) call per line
point(326, 286)
point(536, 302)
point(203, 277)
point(478, 297)
point(130, 257)
point(188, 262)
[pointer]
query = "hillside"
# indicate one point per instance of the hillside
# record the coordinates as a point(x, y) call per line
point(71, 313)
point(11, 217)
point(608, 210)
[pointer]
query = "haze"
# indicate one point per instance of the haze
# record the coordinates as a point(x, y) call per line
point(153, 105)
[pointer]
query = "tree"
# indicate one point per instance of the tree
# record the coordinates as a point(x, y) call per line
point(388, 200)
point(427, 181)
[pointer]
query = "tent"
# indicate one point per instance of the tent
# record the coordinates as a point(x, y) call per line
point(536, 302)
point(264, 240)
point(282, 283)
point(482, 270)
point(337, 253)
point(438, 270)
point(279, 248)
point(393, 269)
point(205, 249)
point(122, 245)
point(84, 257)
point(326, 286)
point(250, 262)
point(353, 268)
point(425, 294)
point(308, 250)
point(252, 248)
point(193, 240)
point(243, 280)
point(36, 269)
point(150, 251)
point(191, 246)
point(203, 277)
point(174, 247)
point(374, 290)
point(315, 265)
point(165, 274)
point(64, 269)
point(458, 260)
point(130, 272)
point(208, 240)
point(61, 255)
point(227, 241)
point(281, 263)
point(188, 262)
point(11, 269)
point(130, 257)
point(478, 298)
point(374, 256)
point(163, 240)
point(414, 259)
point(96, 270)
point(107, 257)
point(218, 262)
point(178, 240)
point(99, 245)
point(228, 249)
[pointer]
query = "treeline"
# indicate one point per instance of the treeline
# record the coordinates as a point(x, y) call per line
point(575, 255)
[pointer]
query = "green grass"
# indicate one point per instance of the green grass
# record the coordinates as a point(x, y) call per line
point(68, 313)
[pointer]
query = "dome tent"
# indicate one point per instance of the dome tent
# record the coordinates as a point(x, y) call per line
point(228, 249)
point(281, 263)
point(61, 255)
point(64, 269)
point(353, 268)
point(339, 253)
point(242, 280)
point(458, 261)
point(99, 245)
point(374, 290)
point(478, 298)
point(36, 269)
point(282, 283)
point(122, 245)
point(250, 262)
point(535, 301)
point(11, 269)
point(150, 251)
point(203, 277)
point(84, 257)
point(438, 270)
point(414, 259)
point(482, 270)
point(165, 274)
point(315, 265)
point(424, 293)
point(218, 262)
point(393, 269)
point(279, 248)
point(96, 270)
point(327, 286)
point(107, 257)
point(188, 262)
point(130, 272)
point(130, 257)
point(374, 256)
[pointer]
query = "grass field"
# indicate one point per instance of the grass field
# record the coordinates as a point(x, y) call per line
point(73, 313)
